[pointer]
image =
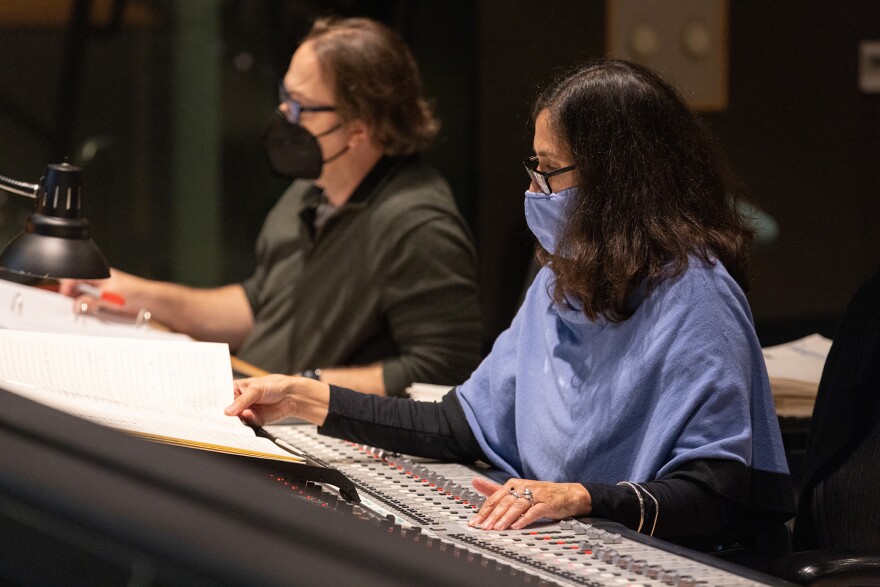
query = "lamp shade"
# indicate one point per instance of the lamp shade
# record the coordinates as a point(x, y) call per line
point(57, 240)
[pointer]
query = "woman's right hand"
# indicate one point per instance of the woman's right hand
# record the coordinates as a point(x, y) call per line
point(267, 399)
point(519, 502)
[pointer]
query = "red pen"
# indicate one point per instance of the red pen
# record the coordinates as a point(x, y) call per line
point(95, 292)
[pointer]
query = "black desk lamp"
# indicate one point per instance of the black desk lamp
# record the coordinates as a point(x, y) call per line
point(56, 240)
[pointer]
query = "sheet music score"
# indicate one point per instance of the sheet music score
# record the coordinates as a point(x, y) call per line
point(168, 390)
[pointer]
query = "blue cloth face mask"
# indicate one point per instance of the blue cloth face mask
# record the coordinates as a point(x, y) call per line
point(544, 213)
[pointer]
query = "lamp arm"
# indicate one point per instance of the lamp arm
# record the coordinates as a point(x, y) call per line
point(30, 190)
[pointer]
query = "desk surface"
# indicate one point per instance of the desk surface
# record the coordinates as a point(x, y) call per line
point(242, 368)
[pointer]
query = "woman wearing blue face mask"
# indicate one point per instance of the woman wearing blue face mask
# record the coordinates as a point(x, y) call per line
point(630, 385)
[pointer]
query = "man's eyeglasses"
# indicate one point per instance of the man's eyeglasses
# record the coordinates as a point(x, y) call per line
point(295, 109)
point(542, 178)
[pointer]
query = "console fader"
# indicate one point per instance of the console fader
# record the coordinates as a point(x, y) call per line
point(431, 502)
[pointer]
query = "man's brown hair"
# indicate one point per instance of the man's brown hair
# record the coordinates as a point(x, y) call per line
point(375, 79)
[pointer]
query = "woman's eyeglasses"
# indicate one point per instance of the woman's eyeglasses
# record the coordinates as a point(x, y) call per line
point(542, 178)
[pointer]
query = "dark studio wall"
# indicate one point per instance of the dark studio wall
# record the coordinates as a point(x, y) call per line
point(523, 44)
point(806, 143)
point(97, 97)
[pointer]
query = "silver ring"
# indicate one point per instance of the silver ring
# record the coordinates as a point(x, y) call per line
point(513, 493)
point(527, 494)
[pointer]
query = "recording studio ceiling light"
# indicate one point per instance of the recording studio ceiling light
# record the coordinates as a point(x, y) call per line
point(56, 241)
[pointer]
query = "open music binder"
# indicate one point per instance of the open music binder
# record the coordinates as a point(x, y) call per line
point(167, 389)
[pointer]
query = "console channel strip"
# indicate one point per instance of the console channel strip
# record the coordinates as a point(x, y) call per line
point(433, 501)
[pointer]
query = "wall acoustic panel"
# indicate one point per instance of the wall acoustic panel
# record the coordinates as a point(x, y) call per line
point(685, 40)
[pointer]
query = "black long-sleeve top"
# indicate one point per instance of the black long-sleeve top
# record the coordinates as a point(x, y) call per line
point(693, 507)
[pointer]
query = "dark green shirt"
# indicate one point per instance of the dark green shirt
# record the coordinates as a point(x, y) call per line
point(390, 277)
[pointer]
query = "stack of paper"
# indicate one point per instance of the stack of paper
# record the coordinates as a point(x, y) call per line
point(795, 369)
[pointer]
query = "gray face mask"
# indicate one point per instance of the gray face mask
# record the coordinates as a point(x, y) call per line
point(293, 151)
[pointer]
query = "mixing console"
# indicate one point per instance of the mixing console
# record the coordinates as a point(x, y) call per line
point(431, 502)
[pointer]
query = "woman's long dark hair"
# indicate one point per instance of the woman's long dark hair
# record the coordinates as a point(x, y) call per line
point(653, 189)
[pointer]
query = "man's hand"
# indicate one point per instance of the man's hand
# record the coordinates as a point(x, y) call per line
point(114, 294)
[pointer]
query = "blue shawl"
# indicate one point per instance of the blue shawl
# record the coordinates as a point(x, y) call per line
point(561, 398)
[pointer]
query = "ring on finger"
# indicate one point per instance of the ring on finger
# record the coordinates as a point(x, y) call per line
point(527, 494)
point(514, 493)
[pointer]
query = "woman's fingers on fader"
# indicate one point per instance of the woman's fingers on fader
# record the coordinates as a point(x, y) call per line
point(517, 509)
point(493, 494)
point(492, 503)
point(485, 486)
point(504, 502)
point(534, 513)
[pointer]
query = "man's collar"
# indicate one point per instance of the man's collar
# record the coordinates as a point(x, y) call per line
point(365, 189)
point(371, 181)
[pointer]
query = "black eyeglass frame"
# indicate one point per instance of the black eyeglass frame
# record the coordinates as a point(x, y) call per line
point(542, 178)
point(295, 108)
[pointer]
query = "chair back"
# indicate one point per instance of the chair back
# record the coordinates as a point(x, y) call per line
point(841, 472)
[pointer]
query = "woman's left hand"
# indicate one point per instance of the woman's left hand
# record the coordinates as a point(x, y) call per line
point(519, 502)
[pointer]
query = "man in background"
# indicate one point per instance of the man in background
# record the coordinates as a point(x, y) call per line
point(366, 274)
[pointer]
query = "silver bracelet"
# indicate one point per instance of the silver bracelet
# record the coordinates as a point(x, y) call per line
point(641, 503)
point(656, 507)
